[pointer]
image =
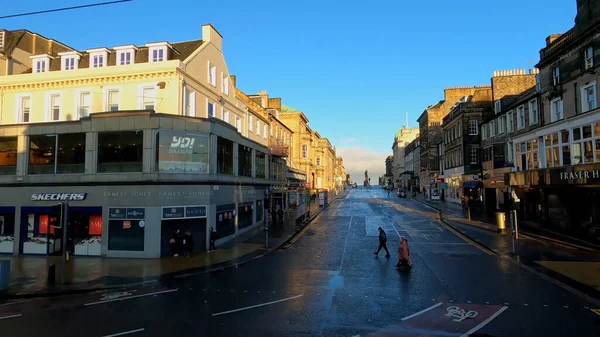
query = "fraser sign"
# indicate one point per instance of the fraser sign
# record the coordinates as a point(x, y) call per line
point(58, 196)
point(588, 174)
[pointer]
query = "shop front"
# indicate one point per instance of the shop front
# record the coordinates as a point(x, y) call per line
point(565, 199)
point(132, 221)
point(453, 177)
point(495, 190)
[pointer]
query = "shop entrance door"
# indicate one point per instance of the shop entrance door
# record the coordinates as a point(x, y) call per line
point(197, 228)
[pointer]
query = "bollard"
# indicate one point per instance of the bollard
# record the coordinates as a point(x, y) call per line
point(51, 275)
point(501, 222)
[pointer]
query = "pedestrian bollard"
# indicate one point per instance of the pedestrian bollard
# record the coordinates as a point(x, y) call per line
point(267, 236)
point(51, 275)
point(501, 222)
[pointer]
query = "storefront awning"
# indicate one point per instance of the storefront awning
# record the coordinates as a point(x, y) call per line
point(471, 184)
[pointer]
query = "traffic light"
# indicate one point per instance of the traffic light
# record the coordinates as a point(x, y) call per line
point(56, 216)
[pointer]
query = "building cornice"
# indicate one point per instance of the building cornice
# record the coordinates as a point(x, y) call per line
point(86, 81)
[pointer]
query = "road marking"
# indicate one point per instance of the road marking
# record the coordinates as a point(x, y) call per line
point(484, 323)
point(11, 316)
point(256, 306)
point(596, 311)
point(442, 243)
point(125, 332)
point(130, 297)
point(422, 311)
point(11, 303)
point(346, 242)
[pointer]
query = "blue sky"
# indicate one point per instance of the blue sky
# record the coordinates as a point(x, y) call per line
point(354, 67)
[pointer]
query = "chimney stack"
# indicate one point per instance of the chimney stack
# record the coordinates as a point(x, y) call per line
point(233, 80)
point(551, 38)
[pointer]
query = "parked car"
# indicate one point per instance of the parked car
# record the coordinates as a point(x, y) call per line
point(402, 193)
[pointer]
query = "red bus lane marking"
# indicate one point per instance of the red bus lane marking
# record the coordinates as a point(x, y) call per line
point(460, 319)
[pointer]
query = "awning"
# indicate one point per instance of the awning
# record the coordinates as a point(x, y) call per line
point(471, 184)
point(296, 176)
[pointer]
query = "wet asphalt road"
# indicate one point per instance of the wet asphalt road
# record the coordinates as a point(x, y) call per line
point(329, 283)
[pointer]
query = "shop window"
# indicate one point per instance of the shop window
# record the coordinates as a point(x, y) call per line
point(183, 152)
point(37, 236)
point(224, 156)
point(244, 215)
point(583, 145)
point(244, 161)
point(126, 235)
point(225, 217)
point(86, 229)
point(8, 155)
point(120, 151)
point(7, 229)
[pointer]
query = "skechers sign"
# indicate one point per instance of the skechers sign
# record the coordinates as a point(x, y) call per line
point(58, 196)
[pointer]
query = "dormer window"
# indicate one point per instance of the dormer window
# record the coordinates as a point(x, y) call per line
point(98, 57)
point(125, 54)
point(69, 60)
point(2, 34)
point(41, 63)
point(157, 52)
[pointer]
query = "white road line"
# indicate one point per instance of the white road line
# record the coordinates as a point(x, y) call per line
point(442, 243)
point(346, 243)
point(422, 311)
point(11, 303)
point(484, 323)
point(256, 306)
point(125, 333)
point(12, 316)
point(130, 297)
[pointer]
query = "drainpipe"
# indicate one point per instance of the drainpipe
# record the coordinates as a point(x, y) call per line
point(575, 96)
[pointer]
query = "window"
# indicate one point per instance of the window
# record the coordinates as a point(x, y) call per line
point(69, 63)
point(148, 98)
point(265, 131)
point(556, 110)
point(57, 154)
point(183, 152)
point(588, 97)
point(473, 155)
point(24, 109)
point(238, 124)
point(8, 155)
point(250, 122)
point(113, 99)
point(509, 122)
point(157, 54)
point(244, 161)
point(210, 109)
point(40, 66)
point(588, 56)
point(533, 112)
point(124, 57)
point(555, 76)
point(510, 154)
point(54, 107)
point(84, 103)
point(257, 127)
point(212, 74)
point(538, 83)
point(497, 106)
point(484, 134)
point(2, 40)
point(304, 151)
point(583, 145)
point(120, 151)
point(226, 116)
point(520, 117)
point(189, 103)
point(318, 160)
point(98, 60)
point(473, 128)
point(527, 155)
point(224, 156)
point(500, 125)
point(261, 165)
point(554, 144)
point(225, 84)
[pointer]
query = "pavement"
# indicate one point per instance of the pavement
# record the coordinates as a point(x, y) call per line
point(327, 282)
point(574, 265)
point(29, 274)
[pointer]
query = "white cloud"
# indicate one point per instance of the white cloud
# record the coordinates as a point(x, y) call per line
point(347, 141)
point(357, 159)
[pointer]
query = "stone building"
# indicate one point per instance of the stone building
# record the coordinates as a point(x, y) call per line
point(402, 137)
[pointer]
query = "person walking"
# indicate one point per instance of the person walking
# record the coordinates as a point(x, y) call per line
point(382, 243)
point(188, 243)
point(212, 239)
point(404, 253)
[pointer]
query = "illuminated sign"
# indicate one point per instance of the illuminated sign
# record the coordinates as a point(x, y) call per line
point(58, 196)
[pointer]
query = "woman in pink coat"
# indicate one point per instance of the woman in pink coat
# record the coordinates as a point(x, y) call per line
point(404, 252)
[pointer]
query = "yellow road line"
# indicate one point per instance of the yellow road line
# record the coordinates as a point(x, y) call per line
point(462, 236)
point(596, 311)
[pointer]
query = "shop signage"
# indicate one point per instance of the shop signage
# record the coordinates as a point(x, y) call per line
point(179, 212)
point(58, 196)
point(171, 194)
point(182, 145)
point(245, 192)
point(135, 213)
point(587, 174)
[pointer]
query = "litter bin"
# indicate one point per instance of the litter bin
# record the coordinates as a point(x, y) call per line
point(4, 274)
point(501, 222)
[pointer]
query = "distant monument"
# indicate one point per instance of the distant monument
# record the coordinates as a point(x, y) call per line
point(366, 177)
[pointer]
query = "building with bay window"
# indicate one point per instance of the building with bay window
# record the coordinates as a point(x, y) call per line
point(557, 164)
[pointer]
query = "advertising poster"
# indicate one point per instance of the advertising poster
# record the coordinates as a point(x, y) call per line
point(44, 220)
point(95, 225)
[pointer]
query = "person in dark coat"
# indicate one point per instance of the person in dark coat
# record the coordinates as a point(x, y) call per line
point(176, 242)
point(188, 243)
point(382, 243)
point(280, 215)
point(212, 239)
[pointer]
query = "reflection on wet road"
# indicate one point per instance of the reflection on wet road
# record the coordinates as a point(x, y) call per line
point(329, 283)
